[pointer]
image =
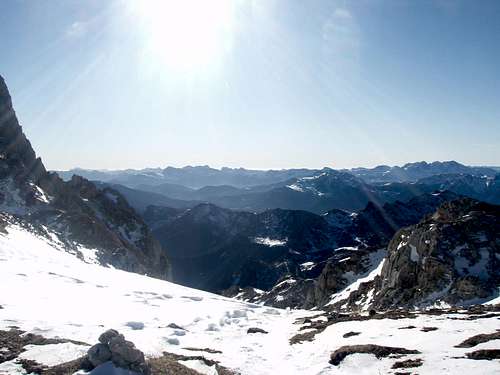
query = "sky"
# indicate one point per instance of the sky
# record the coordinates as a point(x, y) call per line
point(254, 83)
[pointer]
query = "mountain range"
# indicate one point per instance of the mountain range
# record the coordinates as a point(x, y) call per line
point(196, 177)
point(361, 247)
point(319, 194)
point(303, 229)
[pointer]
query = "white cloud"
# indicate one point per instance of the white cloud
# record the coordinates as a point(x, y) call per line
point(341, 40)
point(342, 13)
point(77, 29)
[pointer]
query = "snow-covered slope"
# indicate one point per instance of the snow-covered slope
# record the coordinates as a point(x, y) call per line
point(50, 292)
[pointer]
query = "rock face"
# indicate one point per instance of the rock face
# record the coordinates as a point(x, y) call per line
point(452, 256)
point(76, 210)
point(17, 158)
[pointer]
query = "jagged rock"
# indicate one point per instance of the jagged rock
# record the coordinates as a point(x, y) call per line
point(451, 256)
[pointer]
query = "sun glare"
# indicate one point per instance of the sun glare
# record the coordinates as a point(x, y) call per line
point(186, 34)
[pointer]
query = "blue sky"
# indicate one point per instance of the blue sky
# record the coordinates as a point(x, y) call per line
point(258, 84)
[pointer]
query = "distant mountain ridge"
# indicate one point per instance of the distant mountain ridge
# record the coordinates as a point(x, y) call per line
point(200, 176)
point(319, 194)
point(192, 177)
point(317, 191)
point(412, 172)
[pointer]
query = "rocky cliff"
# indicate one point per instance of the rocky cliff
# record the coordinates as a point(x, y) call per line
point(81, 214)
point(452, 256)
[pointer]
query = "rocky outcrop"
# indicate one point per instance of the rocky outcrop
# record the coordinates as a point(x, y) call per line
point(17, 158)
point(452, 256)
point(77, 211)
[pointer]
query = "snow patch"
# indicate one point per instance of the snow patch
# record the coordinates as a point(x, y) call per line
point(307, 266)
point(53, 354)
point(269, 241)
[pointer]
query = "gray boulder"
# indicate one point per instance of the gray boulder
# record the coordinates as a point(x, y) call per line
point(123, 354)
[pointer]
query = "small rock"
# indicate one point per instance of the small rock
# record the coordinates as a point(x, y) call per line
point(179, 332)
point(98, 354)
point(408, 327)
point(136, 326)
point(212, 327)
point(175, 326)
point(350, 334)
point(428, 329)
point(256, 330)
point(173, 341)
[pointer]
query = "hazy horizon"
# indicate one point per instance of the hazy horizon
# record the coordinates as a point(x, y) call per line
point(263, 84)
point(269, 169)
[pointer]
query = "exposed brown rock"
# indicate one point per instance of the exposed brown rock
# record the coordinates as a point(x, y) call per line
point(379, 351)
point(256, 330)
point(409, 363)
point(478, 339)
point(484, 354)
point(350, 334)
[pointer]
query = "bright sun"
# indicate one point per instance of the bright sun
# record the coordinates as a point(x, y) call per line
point(186, 35)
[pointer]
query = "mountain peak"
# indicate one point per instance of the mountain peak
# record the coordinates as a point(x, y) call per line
point(17, 158)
